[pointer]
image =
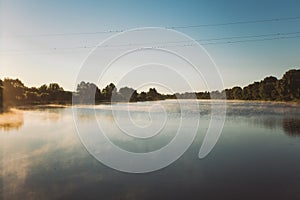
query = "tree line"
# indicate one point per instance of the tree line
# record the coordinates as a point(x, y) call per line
point(270, 88)
point(89, 93)
point(13, 92)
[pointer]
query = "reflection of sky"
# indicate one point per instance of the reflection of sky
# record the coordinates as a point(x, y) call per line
point(43, 158)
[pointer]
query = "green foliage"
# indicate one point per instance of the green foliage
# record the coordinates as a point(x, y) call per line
point(108, 92)
point(267, 89)
point(234, 93)
point(87, 93)
point(128, 94)
point(270, 89)
point(289, 86)
point(142, 96)
point(43, 88)
point(254, 89)
point(14, 92)
point(203, 95)
point(152, 95)
point(1, 96)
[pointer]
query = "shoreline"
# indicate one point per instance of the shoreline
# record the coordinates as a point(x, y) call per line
point(58, 105)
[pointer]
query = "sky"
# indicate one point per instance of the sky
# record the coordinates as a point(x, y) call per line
point(46, 41)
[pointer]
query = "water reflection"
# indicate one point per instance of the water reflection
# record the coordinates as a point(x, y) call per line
point(261, 108)
point(270, 115)
point(14, 118)
point(46, 148)
point(291, 126)
point(10, 120)
point(46, 160)
point(269, 122)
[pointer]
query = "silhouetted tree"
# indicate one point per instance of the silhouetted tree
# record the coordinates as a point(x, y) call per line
point(237, 92)
point(108, 92)
point(247, 93)
point(32, 97)
point(254, 88)
point(142, 96)
point(203, 95)
point(217, 95)
point(128, 94)
point(87, 93)
point(43, 89)
point(13, 91)
point(229, 94)
point(267, 89)
point(153, 95)
point(1, 96)
point(54, 87)
point(289, 86)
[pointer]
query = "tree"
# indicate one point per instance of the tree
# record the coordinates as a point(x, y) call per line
point(43, 89)
point(56, 93)
point(88, 93)
point(267, 88)
point(254, 89)
point(13, 91)
point(237, 92)
point(1, 96)
point(203, 95)
point(32, 96)
point(128, 94)
point(246, 93)
point(229, 94)
point(217, 95)
point(54, 87)
point(289, 86)
point(142, 96)
point(108, 92)
point(153, 95)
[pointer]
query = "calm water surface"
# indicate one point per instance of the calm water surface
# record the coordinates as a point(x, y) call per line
point(256, 157)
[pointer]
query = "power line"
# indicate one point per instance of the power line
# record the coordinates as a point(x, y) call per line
point(253, 40)
point(167, 27)
point(251, 36)
point(230, 42)
point(181, 45)
point(209, 41)
point(237, 22)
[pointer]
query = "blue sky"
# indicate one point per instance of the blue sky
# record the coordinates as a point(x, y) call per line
point(26, 51)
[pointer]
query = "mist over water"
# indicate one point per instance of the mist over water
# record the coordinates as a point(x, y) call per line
point(256, 157)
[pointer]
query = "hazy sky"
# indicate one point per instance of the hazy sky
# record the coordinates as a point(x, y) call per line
point(37, 47)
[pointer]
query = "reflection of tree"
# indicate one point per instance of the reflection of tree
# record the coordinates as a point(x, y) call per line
point(291, 126)
point(11, 120)
point(51, 114)
point(269, 123)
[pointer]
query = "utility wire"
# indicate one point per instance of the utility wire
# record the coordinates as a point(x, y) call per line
point(209, 41)
point(167, 27)
point(175, 45)
point(236, 23)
